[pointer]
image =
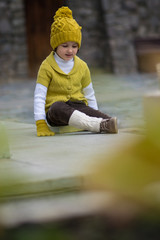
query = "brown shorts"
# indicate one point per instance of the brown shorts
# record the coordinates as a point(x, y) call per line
point(59, 113)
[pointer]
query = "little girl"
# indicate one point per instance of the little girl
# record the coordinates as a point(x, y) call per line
point(64, 93)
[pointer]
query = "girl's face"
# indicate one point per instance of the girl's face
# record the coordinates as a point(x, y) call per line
point(67, 50)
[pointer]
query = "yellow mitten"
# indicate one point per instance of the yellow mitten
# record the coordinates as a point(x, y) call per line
point(43, 129)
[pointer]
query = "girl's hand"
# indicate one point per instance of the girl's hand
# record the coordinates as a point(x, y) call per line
point(43, 129)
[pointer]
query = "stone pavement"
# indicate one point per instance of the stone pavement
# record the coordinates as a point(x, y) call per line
point(51, 165)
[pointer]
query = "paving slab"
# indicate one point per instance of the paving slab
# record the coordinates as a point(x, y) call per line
point(39, 165)
point(44, 178)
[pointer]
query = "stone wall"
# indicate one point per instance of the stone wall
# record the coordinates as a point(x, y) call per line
point(13, 49)
point(127, 21)
point(94, 49)
point(111, 28)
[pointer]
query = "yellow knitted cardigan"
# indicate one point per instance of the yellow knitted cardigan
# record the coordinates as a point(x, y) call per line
point(61, 86)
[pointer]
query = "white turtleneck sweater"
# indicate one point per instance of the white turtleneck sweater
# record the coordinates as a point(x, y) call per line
point(41, 91)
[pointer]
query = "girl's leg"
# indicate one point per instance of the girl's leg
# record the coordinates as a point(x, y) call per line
point(59, 114)
point(87, 118)
point(88, 110)
point(80, 116)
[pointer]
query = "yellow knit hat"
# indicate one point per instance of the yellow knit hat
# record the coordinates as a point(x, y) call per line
point(64, 28)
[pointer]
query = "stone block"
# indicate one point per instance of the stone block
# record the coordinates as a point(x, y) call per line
point(152, 115)
point(158, 72)
point(4, 145)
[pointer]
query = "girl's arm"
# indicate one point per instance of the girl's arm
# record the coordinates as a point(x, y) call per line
point(39, 111)
point(90, 96)
point(39, 102)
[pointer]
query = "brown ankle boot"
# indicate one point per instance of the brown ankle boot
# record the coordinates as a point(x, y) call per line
point(109, 125)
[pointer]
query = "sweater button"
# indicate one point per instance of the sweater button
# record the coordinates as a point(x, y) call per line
point(68, 77)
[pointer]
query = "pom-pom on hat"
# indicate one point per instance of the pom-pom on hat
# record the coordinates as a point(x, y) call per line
point(64, 28)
